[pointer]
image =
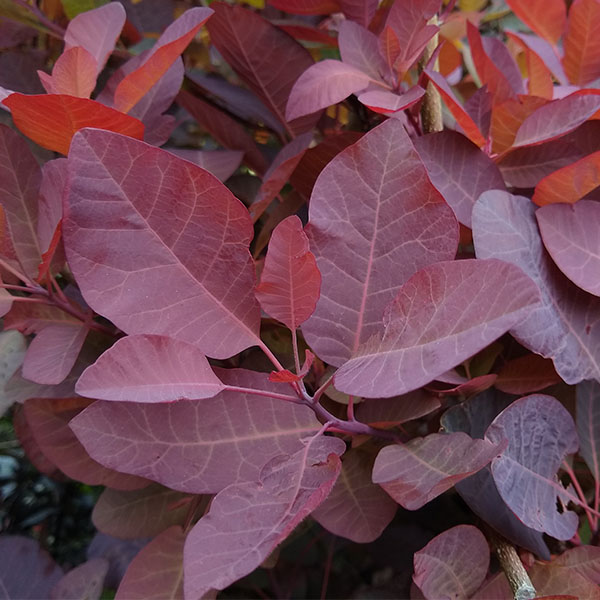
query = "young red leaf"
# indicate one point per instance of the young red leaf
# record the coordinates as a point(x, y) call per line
point(556, 118)
point(526, 374)
point(180, 224)
point(454, 564)
point(531, 423)
point(208, 445)
point(571, 183)
point(566, 326)
point(53, 352)
point(20, 178)
point(385, 102)
point(253, 47)
point(493, 71)
point(26, 570)
point(74, 74)
point(462, 117)
point(49, 421)
point(149, 368)
point(429, 328)
point(539, 76)
point(138, 514)
point(290, 281)
point(363, 259)
point(51, 120)
point(164, 53)
point(323, 84)
point(96, 31)
point(84, 581)
point(356, 509)
point(546, 17)
point(588, 425)
point(247, 521)
point(582, 42)
point(287, 376)
point(157, 570)
point(458, 170)
point(571, 234)
point(415, 473)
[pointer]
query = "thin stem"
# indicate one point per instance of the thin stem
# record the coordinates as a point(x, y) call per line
point(270, 355)
point(17, 274)
point(324, 386)
point(264, 393)
point(350, 410)
point(295, 347)
point(18, 288)
point(588, 511)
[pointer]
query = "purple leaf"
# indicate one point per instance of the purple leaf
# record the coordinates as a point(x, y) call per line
point(356, 509)
point(247, 521)
point(140, 513)
point(187, 271)
point(20, 178)
point(149, 369)
point(415, 473)
point(374, 220)
point(290, 280)
point(157, 570)
point(84, 581)
point(387, 102)
point(571, 234)
point(540, 433)
point(280, 170)
point(53, 352)
point(555, 119)
point(429, 328)
point(26, 571)
point(53, 185)
point(361, 11)
point(588, 425)
point(48, 419)
point(479, 108)
point(585, 560)
point(323, 84)
point(254, 47)
point(454, 564)
point(359, 48)
point(221, 163)
point(389, 412)
point(566, 326)
point(459, 170)
point(97, 31)
point(198, 447)
point(502, 59)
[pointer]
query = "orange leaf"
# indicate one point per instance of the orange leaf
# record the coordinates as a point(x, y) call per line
point(544, 17)
point(508, 117)
point(450, 58)
point(51, 120)
point(582, 42)
point(540, 78)
point(571, 183)
point(74, 73)
point(134, 86)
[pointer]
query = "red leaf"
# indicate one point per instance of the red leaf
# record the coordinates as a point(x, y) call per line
point(84, 581)
point(184, 226)
point(546, 17)
point(20, 178)
point(149, 368)
point(526, 374)
point(50, 209)
point(571, 235)
point(208, 445)
point(254, 47)
point(307, 7)
point(415, 473)
point(97, 31)
point(309, 34)
point(51, 120)
point(389, 412)
point(290, 281)
point(157, 570)
point(429, 329)
point(74, 74)
point(49, 421)
point(453, 564)
point(164, 53)
point(48, 256)
point(508, 117)
point(356, 509)
point(360, 11)
point(566, 325)
point(540, 81)
point(582, 42)
point(385, 102)
point(247, 521)
point(378, 181)
point(571, 183)
point(287, 376)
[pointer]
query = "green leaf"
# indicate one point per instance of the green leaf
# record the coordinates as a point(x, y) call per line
point(73, 7)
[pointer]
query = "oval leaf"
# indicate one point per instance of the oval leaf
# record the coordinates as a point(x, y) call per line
point(149, 368)
point(582, 48)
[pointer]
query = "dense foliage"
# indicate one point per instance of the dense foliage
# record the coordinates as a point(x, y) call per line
point(301, 278)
